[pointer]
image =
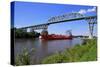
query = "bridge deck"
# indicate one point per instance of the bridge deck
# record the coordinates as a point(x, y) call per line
point(60, 22)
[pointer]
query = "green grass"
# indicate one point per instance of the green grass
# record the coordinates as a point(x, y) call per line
point(24, 58)
point(78, 53)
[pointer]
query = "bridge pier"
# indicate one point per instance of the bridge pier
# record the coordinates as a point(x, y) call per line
point(44, 32)
point(91, 23)
point(91, 27)
point(31, 29)
point(65, 18)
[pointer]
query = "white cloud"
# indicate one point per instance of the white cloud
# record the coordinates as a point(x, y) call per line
point(83, 11)
point(92, 10)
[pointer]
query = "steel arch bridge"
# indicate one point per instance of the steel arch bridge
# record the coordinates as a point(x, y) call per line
point(91, 20)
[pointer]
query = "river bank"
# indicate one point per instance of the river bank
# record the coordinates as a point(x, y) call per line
point(78, 53)
point(86, 51)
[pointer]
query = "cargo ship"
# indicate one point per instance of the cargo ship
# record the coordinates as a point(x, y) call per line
point(46, 36)
point(55, 37)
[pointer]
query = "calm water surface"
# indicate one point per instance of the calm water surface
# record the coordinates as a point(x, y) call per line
point(43, 48)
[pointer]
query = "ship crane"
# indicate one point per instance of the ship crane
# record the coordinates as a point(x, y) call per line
point(69, 32)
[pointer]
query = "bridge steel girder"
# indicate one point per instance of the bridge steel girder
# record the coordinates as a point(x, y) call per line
point(72, 20)
point(91, 22)
point(39, 27)
point(91, 27)
point(66, 18)
point(35, 27)
point(31, 30)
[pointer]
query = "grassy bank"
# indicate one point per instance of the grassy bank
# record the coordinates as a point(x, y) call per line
point(78, 53)
point(24, 58)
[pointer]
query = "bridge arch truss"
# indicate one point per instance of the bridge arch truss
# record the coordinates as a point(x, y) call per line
point(66, 18)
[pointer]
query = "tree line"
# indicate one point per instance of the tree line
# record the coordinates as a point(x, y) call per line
point(19, 33)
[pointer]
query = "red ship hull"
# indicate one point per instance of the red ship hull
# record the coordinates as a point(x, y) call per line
point(55, 37)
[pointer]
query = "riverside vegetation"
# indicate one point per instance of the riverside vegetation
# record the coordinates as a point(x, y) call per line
point(24, 58)
point(78, 53)
point(19, 33)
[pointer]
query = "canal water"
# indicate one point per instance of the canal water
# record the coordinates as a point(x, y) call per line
point(43, 48)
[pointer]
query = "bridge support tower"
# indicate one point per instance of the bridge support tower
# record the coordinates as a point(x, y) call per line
point(91, 23)
point(91, 27)
point(45, 31)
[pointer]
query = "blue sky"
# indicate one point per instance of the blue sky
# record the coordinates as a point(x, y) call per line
point(27, 14)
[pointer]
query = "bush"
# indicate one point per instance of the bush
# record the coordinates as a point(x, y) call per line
point(24, 58)
point(22, 34)
point(78, 53)
point(56, 58)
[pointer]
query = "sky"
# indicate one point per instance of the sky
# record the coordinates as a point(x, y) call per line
point(32, 13)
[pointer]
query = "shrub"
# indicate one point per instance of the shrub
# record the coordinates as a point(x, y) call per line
point(24, 58)
point(78, 53)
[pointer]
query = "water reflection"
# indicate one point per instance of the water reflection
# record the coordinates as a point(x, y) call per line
point(43, 48)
